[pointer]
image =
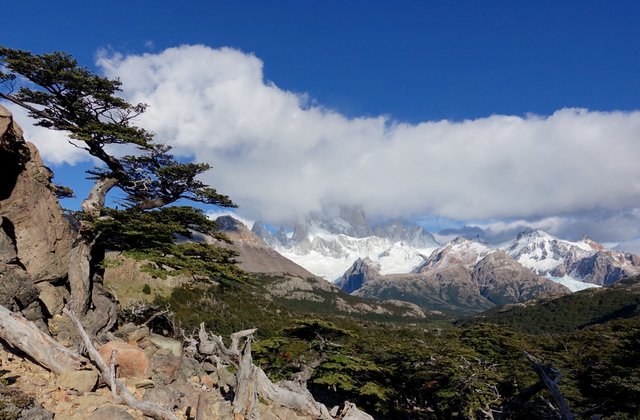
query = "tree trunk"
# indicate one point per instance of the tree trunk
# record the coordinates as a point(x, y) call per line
point(80, 272)
point(22, 334)
point(245, 402)
point(544, 373)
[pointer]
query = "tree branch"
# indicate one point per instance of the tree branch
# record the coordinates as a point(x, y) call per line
point(148, 408)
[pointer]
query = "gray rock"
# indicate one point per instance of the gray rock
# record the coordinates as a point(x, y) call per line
point(502, 280)
point(361, 272)
point(110, 412)
point(51, 297)
point(164, 367)
point(166, 396)
point(8, 253)
point(17, 290)
point(80, 380)
point(166, 343)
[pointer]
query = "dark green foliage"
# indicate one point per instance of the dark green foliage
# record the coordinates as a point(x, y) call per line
point(576, 310)
point(429, 369)
point(146, 289)
point(151, 235)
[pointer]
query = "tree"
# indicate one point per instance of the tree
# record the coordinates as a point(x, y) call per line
point(60, 95)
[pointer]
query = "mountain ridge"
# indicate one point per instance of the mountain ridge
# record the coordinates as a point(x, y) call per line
point(325, 247)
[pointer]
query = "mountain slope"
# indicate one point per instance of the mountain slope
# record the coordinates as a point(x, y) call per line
point(585, 260)
point(452, 281)
point(328, 247)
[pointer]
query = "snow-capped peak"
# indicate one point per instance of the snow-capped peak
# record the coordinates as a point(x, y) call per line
point(544, 253)
point(461, 250)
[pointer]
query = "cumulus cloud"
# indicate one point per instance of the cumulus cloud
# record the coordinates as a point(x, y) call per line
point(280, 157)
point(54, 146)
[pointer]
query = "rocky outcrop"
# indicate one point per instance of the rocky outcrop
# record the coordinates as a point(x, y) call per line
point(502, 280)
point(451, 281)
point(35, 239)
point(585, 260)
point(449, 290)
point(606, 267)
point(32, 220)
point(361, 272)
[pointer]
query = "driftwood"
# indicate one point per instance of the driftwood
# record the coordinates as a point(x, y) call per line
point(148, 408)
point(22, 334)
point(252, 382)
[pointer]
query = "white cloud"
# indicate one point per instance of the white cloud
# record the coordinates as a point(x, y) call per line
point(279, 158)
point(53, 145)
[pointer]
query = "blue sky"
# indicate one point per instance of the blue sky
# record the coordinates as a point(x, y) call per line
point(401, 66)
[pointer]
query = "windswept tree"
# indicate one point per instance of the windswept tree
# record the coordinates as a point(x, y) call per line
point(60, 95)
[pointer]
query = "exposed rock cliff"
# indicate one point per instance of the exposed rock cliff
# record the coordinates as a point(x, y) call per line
point(35, 238)
point(501, 279)
point(361, 272)
point(32, 218)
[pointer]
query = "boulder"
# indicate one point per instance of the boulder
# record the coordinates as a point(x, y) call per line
point(51, 297)
point(162, 342)
point(17, 291)
point(80, 380)
point(164, 368)
point(131, 361)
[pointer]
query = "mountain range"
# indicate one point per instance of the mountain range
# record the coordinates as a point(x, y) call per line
point(403, 261)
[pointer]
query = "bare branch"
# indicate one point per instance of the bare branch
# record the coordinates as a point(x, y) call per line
point(148, 408)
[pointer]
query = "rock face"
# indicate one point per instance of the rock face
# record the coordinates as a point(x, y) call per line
point(462, 278)
point(35, 239)
point(361, 272)
point(585, 260)
point(448, 290)
point(607, 267)
point(32, 219)
point(255, 255)
point(502, 280)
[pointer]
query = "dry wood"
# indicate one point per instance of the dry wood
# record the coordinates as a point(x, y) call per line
point(253, 382)
point(112, 376)
point(351, 412)
point(245, 401)
point(148, 408)
point(544, 373)
point(200, 406)
point(22, 334)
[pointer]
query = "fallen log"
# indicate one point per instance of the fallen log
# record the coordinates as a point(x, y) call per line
point(23, 335)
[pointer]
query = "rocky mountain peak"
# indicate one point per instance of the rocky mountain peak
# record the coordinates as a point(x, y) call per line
point(235, 229)
point(362, 271)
